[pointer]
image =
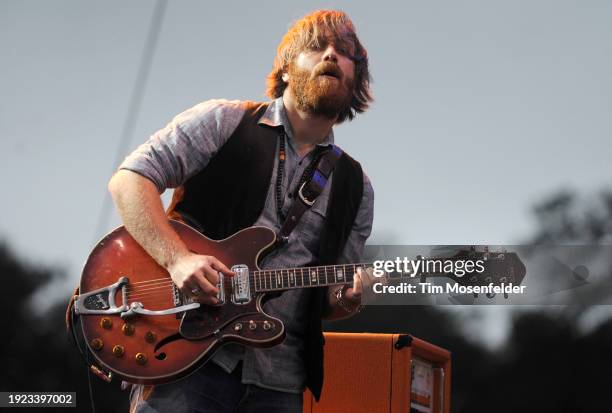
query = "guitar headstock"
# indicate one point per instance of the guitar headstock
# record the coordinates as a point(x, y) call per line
point(468, 268)
point(497, 268)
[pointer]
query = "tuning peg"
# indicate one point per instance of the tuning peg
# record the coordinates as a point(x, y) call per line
point(489, 280)
point(504, 280)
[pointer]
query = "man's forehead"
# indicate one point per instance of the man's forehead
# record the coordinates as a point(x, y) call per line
point(341, 32)
point(340, 35)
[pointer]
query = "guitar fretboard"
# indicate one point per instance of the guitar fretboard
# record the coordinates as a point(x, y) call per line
point(277, 280)
point(285, 279)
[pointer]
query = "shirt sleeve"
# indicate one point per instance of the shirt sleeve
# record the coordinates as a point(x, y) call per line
point(362, 227)
point(186, 145)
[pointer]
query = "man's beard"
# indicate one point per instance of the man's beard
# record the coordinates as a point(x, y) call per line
point(318, 94)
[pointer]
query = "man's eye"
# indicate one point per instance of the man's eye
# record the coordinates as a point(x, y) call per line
point(344, 51)
point(347, 51)
point(315, 47)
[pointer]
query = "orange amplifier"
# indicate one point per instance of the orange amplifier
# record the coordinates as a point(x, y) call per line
point(376, 373)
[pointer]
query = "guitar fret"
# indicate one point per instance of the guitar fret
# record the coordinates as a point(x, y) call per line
point(282, 279)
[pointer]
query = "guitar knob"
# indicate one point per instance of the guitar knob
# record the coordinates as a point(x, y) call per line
point(128, 329)
point(267, 325)
point(237, 326)
point(141, 358)
point(106, 323)
point(96, 344)
point(252, 325)
point(118, 351)
point(150, 337)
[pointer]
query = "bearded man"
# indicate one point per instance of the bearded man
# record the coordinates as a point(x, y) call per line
point(237, 164)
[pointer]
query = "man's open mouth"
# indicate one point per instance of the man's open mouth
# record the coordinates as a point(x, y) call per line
point(330, 74)
point(330, 70)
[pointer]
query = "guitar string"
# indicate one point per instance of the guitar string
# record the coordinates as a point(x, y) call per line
point(158, 289)
point(152, 285)
point(258, 272)
point(142, 287)
point(158, 292)
point(168, 290)
point(272, 275)
point(166, 293)
point(259, 281)
point(286, 277)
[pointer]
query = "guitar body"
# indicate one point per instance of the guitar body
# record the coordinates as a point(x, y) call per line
point(153, 349)
point(139, 326)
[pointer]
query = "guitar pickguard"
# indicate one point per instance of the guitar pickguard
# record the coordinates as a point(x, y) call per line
point(207, 321)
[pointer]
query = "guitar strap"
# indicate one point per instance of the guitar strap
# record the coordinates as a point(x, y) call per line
point(309, 190)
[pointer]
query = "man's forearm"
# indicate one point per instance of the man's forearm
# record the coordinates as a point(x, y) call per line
point(142, 213)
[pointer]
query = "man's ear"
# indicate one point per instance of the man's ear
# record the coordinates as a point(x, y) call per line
point(285, 77)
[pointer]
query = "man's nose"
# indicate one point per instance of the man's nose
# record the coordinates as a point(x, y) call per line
point(330, 53)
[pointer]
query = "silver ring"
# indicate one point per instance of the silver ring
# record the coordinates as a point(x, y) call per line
point(195, 291)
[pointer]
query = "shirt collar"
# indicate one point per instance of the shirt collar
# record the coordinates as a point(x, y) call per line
point(276, 116)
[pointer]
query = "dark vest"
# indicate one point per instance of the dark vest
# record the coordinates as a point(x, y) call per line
point(240, 174)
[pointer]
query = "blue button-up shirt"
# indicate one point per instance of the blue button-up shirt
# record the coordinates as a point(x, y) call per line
point(183, 148)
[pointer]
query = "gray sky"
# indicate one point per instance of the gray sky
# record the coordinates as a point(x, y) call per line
point(482, 107)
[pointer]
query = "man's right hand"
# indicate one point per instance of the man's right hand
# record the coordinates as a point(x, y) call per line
point(197, 276)
point(142, 213)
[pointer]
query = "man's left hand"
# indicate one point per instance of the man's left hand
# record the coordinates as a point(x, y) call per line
point(353, 294)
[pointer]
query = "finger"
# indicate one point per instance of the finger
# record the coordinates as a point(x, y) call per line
point(207, 299)
point(357, 284)
point(189, 288)
point(205, 285)
point(219, 266)
point(211, 274)
point(198, 295)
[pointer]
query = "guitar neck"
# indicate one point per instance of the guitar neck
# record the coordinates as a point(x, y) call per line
point(305, 277)
point(322, 276)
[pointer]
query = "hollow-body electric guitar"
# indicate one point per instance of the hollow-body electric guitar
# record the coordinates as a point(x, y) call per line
point(138, 325)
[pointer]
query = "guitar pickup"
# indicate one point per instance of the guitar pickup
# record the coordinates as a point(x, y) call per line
point(241, 287)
